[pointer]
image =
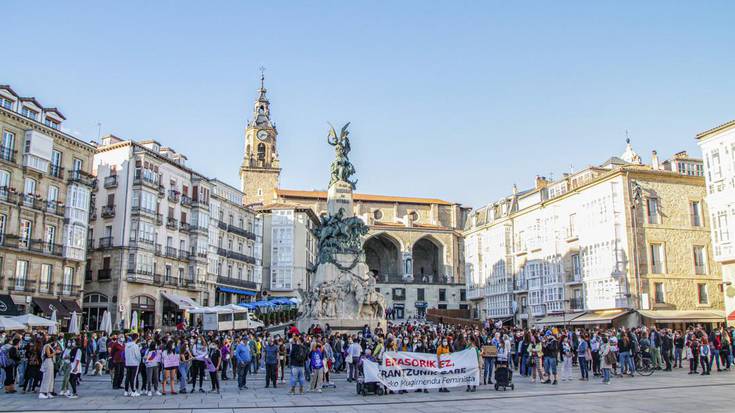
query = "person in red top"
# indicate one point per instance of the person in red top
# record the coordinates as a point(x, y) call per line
point(293, 330)
point(117, 355)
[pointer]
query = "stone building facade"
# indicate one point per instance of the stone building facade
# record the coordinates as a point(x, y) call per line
point(45, 186)
point(622, 240)
point(235, 246)
point(150, 237)
point(718, 148)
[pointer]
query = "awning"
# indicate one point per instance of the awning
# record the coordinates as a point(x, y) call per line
point(184, 303)
point(236, 291)
point(731, 317)
point(600, 316)
point(558, 319)
point(421, 304)
point(676, 316)
point(7, 306)
point(72, 306)
point(48, 305)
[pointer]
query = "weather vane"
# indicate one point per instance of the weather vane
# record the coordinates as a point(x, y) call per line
point(262, 75)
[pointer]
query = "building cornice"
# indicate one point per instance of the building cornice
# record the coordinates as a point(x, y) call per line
point(716, 129)
point(54, 133)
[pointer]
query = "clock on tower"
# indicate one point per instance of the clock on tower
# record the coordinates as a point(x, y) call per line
point(260, 170)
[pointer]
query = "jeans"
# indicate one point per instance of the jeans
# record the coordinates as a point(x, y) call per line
point(353, 368)
point(715, 356)
point(22, 367)
point(596, 362)
point(307, 370)
point(677, 356)
point(184, 371)
point(550, 365)
point(242, 374)
point(606, 375)
point(74, 381)
point(705, 364)
point(583, 367)
point(152, 374)
point(626, 360)
point(487, 376)
point(297, 376)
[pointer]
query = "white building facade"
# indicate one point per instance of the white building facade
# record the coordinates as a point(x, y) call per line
point(718, 150)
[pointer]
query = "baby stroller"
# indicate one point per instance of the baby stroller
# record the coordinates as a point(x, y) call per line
point(364, 388)
point(503, 377)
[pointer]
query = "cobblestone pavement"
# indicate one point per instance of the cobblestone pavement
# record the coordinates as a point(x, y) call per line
point(670, 392)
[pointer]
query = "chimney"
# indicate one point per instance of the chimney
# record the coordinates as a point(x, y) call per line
point(541, 182)
point(654, 161)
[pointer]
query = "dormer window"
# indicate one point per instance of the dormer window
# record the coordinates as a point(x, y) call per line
point(29, 113)
point(51, 123)
point(6, 103)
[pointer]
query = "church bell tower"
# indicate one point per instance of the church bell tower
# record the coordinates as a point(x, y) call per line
point(260, 170)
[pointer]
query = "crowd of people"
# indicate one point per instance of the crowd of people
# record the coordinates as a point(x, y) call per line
point(169, 363)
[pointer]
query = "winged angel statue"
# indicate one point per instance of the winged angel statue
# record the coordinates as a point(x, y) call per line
point(342, 168)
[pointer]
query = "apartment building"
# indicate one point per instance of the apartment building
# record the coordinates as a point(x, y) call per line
point(149, 238)
point(235, 246)
point(289, 249)
point(45, 186)
point(718, 147)
point(622, 242)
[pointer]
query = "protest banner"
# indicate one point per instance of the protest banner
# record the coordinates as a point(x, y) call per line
point(402, 370)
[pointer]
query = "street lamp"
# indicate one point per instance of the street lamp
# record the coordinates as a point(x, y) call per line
point(637, 198)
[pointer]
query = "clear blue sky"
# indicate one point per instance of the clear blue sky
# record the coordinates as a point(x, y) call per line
point(457, 100)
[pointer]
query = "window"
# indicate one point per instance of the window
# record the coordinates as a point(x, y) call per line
point(29, 113)
point(657, 259)
point(21, 274)
point(659, 293)
point(442, 294)
point(46, 271)
point(420, 294)
point(652, 208)
point(702, 294)
point(462, 294)
point(576, 267)
point(700, 264)
point(696, 210)
point(6, 103)
point(26, 231)
point(399, 294)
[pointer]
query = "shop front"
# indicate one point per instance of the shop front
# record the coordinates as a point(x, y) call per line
point(145, 306)
point(174, 310)
point(7, 306)
point(93, 308)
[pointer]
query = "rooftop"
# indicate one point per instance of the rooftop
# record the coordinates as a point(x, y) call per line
point(322, 195)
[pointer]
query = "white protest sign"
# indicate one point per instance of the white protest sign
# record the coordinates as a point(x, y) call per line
point(403, 370)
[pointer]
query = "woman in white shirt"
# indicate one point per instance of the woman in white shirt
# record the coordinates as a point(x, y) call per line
point(75, 371)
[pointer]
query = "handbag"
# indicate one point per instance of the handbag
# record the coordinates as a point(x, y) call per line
point(210, 365)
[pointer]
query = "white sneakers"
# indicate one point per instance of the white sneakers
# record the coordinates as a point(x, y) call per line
point(42, 396)
point(126, 394)
point(149, 393)
point(72, 396)
point(158, 393)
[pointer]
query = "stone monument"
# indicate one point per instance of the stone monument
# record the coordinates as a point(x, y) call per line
point(342, 292)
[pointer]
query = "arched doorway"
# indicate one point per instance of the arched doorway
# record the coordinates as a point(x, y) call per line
point(383, 257)
point(427, 255)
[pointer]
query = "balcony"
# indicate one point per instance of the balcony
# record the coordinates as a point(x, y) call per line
point(199, 203)
point(149, 180)
point(110, 182)
point(56, 171)
point(42, 247)
point(138, 210)
point(190, 284)
point(55, 207)
point(174, 196)
point(8, 194)
point(36, 163)
point(104, 274)
point(32, 201)
point(572, 235)
point(576, 304)
point(185, 201)
point(159, 219)
point(249, 285)
point(46, 287)
point(7, 154)
point(105, 242)
point(184, 227)
point(92, 214)
point(142, 276)
point(23, 285)
point(171, 252)
point(158, 250)
point(574, 278)
point(81, 177)
point(108, 211)
point(172, 223)
point(161, 190)
point(169, 280)
point(69, 290)
point(240, 257)
point(184, 255)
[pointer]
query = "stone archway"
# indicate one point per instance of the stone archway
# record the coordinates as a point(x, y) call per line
point(383, 257)
point(428, 262)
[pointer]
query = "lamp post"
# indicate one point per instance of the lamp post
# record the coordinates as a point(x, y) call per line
point(637, 197)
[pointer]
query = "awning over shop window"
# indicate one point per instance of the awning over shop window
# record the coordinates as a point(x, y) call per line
point(236, 291)
point(684, 316)
point(48, 305)
point(558, 319)
point(72, 306)
point(7, 306)
point(184, 303)
point(600, 316)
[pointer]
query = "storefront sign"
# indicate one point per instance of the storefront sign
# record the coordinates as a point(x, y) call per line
point(412, 371)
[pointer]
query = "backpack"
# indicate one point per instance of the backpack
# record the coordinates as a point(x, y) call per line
point(299, 354)
point(5, 360)
point(610, 358)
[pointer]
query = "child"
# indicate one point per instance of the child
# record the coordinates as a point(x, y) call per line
point(316, 361)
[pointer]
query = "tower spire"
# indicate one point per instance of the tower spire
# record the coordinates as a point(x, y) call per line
point(262, 77)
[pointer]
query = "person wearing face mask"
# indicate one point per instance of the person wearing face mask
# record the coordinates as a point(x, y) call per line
point(354, 350)
point(404, 345)
point(443, 348)
point(214, 358)
point(199, 351)
point(65, 371)
point(75, 367)
point(184, 364)
point(132, 365)
point(117, 355)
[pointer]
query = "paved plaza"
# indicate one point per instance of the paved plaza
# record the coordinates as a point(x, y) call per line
point(672, 392)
